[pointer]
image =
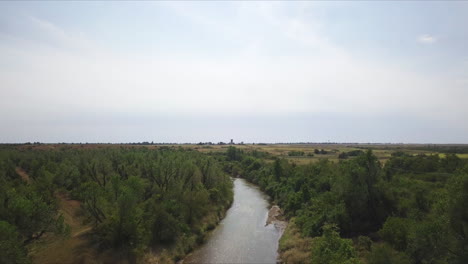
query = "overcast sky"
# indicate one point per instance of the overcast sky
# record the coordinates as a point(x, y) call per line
point(85, 71)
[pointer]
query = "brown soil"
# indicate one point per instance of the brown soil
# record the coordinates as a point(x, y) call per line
point(275, 216)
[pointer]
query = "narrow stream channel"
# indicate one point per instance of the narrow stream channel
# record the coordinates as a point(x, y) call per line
point(242, 236)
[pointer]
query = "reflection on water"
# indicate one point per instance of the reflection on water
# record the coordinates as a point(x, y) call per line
point(241, 237)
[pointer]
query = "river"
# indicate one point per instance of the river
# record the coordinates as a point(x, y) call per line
point(242, 236)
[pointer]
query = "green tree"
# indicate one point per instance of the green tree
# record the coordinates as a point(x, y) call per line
point(357, 187)
point(277, 169)
point(457, 208)
point(11, 246)
point(330, 248)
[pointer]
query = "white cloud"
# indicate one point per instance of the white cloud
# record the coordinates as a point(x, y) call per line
point(427, 39)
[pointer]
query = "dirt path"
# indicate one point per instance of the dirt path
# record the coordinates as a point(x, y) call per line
point(60, 249)
point(23, 174)
point(68, 207)
point(86, 230)
point(71, 210)
point(75, 248)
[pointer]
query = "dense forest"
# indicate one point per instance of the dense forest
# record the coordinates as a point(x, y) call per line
point(412, 209)
point(134, 198)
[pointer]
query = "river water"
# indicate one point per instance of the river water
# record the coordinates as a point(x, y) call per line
point(242, 236)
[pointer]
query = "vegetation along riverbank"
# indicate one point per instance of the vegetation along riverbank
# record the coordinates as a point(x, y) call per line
point(107, 205)
point(410, 209)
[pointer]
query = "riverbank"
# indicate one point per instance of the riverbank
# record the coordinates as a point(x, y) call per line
point(185, 245)
point(293, 247)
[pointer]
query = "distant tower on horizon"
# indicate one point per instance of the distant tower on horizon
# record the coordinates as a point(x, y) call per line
point(232, 142)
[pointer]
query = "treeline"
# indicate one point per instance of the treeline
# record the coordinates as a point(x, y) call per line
point(413, 209)
point(134, 197)
point(352, 153)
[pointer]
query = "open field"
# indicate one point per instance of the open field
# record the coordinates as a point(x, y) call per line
point(382, 151)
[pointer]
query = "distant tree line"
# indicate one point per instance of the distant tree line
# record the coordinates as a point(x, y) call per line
point(320, 152)
point(296, 153)
point(352, 153)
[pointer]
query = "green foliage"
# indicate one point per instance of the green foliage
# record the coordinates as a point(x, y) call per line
point(364, 243)
point(451, 162)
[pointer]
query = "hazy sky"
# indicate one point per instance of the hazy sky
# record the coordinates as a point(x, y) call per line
point(85, 71)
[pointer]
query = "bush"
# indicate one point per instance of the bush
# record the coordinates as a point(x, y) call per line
point(296, 153)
